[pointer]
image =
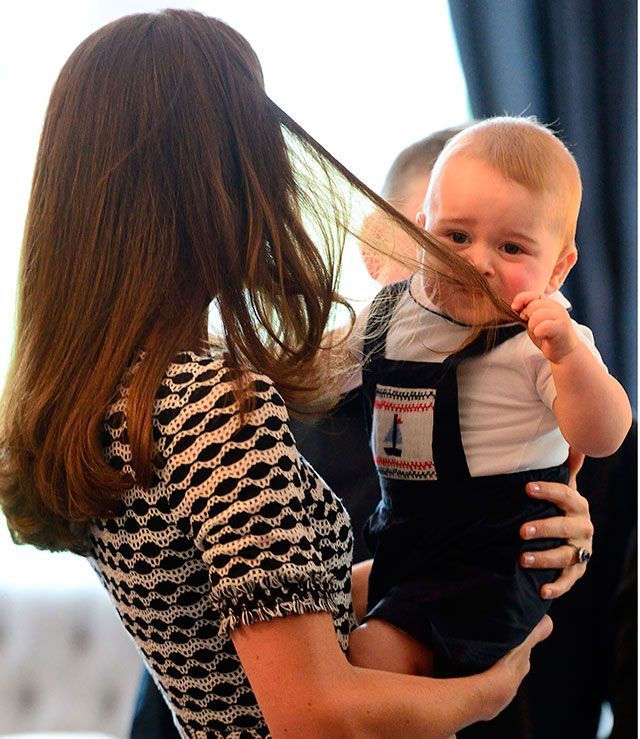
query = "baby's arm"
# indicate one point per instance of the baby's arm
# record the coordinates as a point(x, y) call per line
point(591, 407)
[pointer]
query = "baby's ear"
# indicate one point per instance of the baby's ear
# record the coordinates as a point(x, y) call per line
point(421, 218)
point(568, 257)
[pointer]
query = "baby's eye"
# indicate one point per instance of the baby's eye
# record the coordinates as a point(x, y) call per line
point(458, 237)
point(512, 249)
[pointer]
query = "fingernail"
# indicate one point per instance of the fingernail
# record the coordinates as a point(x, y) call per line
point(530, 531)
point(535, 488)
point(547, 593)
point(528, 560)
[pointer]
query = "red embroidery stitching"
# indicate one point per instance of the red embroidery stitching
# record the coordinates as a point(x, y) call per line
point(387, 405)
point(408, 465)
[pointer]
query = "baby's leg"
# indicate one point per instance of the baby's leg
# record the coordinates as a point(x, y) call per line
point(380, 646)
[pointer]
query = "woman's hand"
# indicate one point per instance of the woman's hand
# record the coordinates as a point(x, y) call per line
point(505, 676)
point(575, 527)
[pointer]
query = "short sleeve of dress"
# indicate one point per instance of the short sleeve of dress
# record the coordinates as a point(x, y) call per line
point(540, 369)
point(241, 491)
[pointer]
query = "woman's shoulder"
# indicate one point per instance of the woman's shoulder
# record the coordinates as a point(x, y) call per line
point(199, 394)
point(188, 367)
point(193, 377)
point(198, 399)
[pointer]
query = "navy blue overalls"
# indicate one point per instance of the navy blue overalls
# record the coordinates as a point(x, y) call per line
point(445, 545)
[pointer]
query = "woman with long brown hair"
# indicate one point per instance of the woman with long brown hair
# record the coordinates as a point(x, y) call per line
point(167, 181)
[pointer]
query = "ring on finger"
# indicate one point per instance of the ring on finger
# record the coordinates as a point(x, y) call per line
point(582, 555)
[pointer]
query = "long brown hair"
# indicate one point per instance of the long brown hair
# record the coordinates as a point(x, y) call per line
point(165, 179)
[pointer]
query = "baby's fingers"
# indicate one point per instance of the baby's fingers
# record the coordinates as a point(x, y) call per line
point(522, 300)
point(544, 327)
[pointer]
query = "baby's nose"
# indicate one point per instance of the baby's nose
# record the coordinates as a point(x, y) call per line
point(481, 258)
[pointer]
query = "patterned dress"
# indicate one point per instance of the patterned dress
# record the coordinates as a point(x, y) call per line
point(236, 528)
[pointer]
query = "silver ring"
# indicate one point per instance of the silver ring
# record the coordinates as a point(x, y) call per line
point(582, 555)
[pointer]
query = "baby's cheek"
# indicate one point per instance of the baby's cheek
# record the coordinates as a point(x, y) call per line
point(517, 281)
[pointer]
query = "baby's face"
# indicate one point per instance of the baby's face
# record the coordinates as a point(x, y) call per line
point(502, 228)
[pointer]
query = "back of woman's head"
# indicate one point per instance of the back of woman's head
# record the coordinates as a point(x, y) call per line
point(163, 182)
point(157, 172)
point(142, 162)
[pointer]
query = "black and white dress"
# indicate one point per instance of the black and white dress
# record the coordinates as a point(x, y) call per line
point(236, 528)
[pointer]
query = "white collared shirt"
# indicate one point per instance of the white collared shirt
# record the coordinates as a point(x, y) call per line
point(505, 396)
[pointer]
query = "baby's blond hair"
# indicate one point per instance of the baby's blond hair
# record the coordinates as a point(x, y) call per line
point(527, 152)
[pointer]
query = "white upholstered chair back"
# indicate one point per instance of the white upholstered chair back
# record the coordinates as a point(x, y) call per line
point(66, 662)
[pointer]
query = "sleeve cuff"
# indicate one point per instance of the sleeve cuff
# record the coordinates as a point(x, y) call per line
point(265, 600)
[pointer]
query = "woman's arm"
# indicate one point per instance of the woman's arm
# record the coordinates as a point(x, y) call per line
point(306, 688)
point(574, 526)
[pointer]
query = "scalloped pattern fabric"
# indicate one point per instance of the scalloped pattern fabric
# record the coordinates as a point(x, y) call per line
point(236, 528)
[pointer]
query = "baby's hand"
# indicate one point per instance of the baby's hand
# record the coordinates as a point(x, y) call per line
point(549, 325)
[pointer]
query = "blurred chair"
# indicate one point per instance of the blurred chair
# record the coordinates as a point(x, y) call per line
point(66, 664)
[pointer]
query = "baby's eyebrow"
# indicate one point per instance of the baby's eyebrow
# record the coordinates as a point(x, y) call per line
point(454, 220)
point(517, 236)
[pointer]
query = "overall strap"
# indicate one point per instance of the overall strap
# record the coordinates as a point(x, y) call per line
point(375, 341)
point(448, 450)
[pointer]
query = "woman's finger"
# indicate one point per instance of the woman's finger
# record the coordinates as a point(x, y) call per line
point(562, 495)
point(577, 528)
point(554, 559)
point(566, 580)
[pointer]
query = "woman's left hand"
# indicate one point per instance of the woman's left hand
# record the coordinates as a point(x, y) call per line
point(575, 527)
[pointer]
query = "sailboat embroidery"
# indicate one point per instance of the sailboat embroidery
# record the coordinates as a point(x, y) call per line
point(402, 432)
point(394, 438)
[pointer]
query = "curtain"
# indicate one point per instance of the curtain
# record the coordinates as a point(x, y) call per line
point(573, 64)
